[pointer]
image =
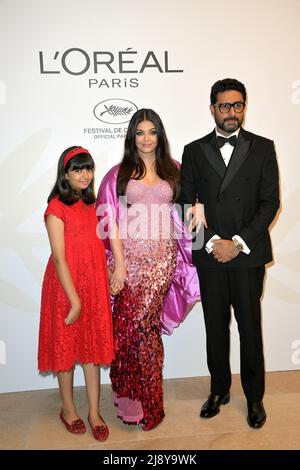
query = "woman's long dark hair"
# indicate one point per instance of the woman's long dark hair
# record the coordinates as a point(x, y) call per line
point(132, 164)
point(62, 188)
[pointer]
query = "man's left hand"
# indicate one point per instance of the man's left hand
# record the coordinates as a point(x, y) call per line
point(224, 250)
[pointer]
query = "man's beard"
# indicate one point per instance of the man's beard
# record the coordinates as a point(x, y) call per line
point(229, 127)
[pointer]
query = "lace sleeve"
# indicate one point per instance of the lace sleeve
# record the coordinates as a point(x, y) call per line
point(55, 207)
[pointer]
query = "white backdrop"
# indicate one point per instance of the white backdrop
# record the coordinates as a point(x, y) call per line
point(59, 60)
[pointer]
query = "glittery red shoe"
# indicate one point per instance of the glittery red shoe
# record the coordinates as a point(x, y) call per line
point(100, 431)
point(151, 425)
point(76, 427)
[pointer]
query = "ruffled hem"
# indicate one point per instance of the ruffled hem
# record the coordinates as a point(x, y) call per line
point(129, 411)
point(67, 368)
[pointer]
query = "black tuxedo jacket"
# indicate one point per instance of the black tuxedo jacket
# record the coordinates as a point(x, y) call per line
point(240, 199)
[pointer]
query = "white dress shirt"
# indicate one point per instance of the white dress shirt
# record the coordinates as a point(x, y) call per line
point(226, 152)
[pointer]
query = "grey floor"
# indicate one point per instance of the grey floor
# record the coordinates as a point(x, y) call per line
point(29, 420)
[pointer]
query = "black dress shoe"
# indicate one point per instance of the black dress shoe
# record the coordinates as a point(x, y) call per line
point(212, 406)
point(256, 414)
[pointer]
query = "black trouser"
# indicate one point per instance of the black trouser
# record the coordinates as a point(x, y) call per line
point(241, 288)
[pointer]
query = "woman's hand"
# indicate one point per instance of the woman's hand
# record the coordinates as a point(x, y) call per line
point(197, 215)
point(111, 289)
point(110, 273)
point(117, 279)
point(73, 314)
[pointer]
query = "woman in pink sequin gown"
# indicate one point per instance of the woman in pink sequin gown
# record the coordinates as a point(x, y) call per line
point(145, 253)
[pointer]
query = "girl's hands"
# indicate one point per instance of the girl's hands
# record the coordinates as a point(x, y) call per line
point(73, 314)
point(117, 279)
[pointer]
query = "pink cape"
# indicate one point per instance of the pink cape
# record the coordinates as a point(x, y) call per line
point(184, 291)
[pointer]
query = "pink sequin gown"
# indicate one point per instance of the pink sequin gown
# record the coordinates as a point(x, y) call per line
point(150, 253)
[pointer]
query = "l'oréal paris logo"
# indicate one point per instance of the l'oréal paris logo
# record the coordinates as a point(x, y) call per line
point(107, 69)
point(76, 61)
point(115, 111)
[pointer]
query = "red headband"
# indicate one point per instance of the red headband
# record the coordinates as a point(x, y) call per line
point(72, 154)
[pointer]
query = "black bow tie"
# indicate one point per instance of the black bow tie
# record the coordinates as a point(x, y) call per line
point(222, 140)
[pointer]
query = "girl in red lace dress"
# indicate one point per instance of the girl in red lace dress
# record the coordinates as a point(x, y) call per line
point(76, 323)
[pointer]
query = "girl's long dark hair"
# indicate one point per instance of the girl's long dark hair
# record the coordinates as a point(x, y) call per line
point(62, 189)
point(132, 164)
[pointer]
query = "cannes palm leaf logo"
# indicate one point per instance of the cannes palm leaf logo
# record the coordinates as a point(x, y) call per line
point(116, 110)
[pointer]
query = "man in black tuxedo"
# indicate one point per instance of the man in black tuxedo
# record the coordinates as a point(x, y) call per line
point(234, 174)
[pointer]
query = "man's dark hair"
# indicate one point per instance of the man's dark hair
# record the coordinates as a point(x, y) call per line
point(225, 85)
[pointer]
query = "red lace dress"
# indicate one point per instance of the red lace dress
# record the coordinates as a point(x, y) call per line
point(89, 339)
